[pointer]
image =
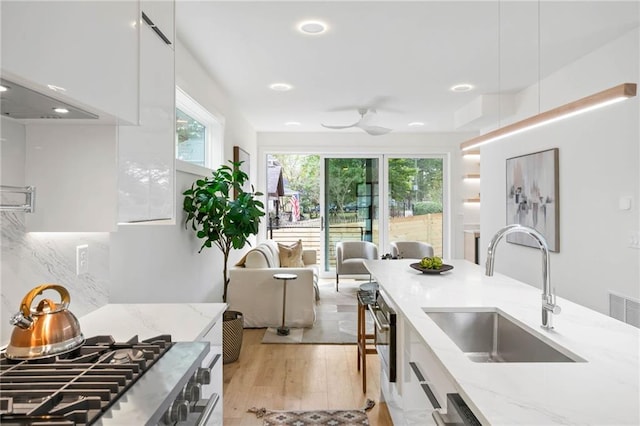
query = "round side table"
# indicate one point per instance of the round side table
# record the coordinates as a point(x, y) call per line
point(282, 330)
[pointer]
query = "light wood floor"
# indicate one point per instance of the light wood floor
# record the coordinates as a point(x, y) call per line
point(298, 377)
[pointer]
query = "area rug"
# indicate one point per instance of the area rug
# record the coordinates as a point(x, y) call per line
point(336, 317)
point(316, 417)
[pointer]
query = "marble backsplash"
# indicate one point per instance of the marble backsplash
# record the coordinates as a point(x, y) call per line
point(29, 259)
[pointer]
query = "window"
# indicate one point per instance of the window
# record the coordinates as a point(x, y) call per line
point(199, 135)
point(191, 139)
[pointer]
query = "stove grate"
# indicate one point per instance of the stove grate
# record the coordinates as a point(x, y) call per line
point(77, 387)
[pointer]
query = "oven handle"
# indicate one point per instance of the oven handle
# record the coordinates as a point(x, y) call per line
point(373, 309)
point(437, 417)
point(208, 410)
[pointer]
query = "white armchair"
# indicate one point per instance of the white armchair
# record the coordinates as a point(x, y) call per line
point(350, 257)
point(411, 249)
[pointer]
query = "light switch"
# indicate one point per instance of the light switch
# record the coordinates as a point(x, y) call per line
point(82, 259)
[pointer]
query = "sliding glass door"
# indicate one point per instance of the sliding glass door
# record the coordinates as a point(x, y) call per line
point(350, 202)
point(415, 200)
point(325, 199)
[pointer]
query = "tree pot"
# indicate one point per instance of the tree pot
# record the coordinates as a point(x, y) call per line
point(232, 327)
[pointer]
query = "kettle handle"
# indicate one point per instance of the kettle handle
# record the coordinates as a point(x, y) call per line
point(25, 305)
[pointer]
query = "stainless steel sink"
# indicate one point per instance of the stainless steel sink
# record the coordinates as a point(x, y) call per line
point(490, 336)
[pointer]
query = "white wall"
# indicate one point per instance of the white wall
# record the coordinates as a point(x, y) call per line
point(447, 144)
point(160, 262)
point(599, 163)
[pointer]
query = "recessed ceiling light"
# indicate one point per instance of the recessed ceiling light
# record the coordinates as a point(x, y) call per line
point(3, 89)
point(312, 27)
point(281, 87)
point(292, 123)
point(61, 110)
point(465, 87)
point(416, 124)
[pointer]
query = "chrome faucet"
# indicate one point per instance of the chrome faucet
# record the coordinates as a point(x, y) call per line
point(548, 298)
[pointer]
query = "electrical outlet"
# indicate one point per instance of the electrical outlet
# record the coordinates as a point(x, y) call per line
point(82, 259)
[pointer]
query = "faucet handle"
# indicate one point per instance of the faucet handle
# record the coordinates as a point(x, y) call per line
point(549, 303)
point(553, 308)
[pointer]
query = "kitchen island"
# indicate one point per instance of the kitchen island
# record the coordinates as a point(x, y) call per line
point(601, 388)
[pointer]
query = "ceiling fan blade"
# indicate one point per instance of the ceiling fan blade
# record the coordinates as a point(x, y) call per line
point(339, 127)
point(375, 130)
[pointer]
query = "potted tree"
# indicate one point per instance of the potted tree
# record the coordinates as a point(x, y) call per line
point(227, 223)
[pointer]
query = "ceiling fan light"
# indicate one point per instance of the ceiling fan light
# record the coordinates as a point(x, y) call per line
point(416, 124)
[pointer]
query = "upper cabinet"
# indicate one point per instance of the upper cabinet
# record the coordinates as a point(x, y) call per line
point(73, 168)
point(90, 176)
point(160, 16)
point(146, 152)
point(87, 51)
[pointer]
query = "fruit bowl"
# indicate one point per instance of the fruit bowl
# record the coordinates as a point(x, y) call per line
point(443, 268)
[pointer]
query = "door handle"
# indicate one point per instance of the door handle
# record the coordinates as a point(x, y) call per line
point(322, 223)
point(373, 311)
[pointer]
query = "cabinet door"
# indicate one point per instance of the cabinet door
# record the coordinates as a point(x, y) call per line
point(146, 152)
point(427, 381)
point(418, 398)
point(161, 13)
point(73, 168)
point(88, 48)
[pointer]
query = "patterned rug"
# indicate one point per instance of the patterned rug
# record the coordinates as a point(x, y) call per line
point(315, 418)
point(336, 317)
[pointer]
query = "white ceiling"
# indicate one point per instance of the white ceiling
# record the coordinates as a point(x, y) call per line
point(401, 57)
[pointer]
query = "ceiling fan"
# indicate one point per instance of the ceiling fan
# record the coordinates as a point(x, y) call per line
point(366, 118)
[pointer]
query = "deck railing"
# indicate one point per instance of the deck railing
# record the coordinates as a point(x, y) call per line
point(420, 228)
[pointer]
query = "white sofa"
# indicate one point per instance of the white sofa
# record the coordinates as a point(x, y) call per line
point(254, 292)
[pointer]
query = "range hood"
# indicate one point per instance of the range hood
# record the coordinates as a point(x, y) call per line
point(22, 103)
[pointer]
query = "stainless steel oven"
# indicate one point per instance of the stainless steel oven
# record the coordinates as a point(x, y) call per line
point(384, 318)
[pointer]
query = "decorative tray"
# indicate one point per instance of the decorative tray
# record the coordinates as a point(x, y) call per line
point(443, 268)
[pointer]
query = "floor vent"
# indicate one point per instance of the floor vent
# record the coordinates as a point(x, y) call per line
point(624, 309)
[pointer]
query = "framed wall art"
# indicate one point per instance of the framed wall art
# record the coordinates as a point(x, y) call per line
point(533, 197)
point(240, 154)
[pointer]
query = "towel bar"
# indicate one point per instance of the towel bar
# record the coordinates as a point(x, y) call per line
point(30, 194)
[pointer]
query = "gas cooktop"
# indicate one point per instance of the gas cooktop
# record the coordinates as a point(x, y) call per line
point(78, 387)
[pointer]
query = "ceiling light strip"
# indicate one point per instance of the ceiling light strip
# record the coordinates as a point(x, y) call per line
point(589, 103)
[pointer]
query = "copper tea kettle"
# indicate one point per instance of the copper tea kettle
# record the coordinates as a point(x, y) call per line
point(50, 329)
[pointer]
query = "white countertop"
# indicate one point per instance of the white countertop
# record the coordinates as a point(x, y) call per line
point(605, 390)
point(185, 322)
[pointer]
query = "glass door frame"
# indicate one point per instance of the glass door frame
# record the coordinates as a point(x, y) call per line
point(382, 208)
point(384, 224)
point(383, 173)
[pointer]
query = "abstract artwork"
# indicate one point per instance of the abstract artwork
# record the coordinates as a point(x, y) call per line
point(533, 197)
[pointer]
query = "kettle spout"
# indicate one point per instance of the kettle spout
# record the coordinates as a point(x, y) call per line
point(21, 321)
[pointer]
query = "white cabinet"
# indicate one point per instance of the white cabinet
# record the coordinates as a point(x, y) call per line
point(146, 152)
point(73, 168)
point(425, 382)
point(88, 48)
point(422, 384)
point(160, 14)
